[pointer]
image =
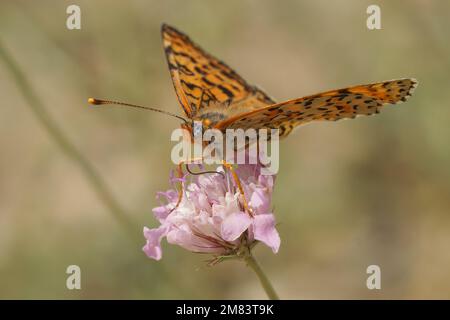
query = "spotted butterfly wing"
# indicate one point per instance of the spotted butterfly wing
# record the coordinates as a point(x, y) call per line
point(201, 80)
point(331, 105)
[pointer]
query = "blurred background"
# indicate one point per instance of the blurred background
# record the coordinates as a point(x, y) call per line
point(375, 190)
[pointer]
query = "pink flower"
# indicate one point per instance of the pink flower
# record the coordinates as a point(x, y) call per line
point(211, 217)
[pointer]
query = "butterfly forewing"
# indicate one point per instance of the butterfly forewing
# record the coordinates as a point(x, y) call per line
point(331, 105)
point(201, 80)
point(209, 89)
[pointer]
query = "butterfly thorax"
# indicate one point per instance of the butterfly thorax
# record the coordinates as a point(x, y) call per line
point(208, 118)
point(219, 111)
point(214, 114)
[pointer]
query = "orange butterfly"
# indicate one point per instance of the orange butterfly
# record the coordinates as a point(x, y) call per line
point(211, 92)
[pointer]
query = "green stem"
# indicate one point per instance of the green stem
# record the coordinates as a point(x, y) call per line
point(268, 288)
point(55, 132)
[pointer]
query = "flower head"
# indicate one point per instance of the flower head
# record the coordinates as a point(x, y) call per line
point(211, 217)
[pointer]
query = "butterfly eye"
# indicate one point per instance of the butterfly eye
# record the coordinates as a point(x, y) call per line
point(207, 122)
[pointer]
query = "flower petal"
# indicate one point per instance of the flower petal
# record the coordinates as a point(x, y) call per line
point(234, 225)
point(209, 217)
point(264, 231)
point(191, 242)
point(161, 213)
point(153, 246)
point(260, 200)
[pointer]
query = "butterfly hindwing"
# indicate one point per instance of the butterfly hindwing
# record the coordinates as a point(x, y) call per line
point(331, 105)
point(201, 79)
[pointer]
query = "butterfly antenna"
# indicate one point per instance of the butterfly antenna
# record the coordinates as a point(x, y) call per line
point(202, 172)
point(98, 102)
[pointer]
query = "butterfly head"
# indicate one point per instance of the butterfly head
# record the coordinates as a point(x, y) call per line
point(194, 127)
point(197, 129)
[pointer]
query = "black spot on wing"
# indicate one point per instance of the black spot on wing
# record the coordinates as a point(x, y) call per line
point(227, 92)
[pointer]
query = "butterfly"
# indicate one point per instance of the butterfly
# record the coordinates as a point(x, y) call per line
point(211, 92)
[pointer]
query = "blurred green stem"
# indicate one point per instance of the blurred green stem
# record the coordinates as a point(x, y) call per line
point(268, 288)
point(55, 132)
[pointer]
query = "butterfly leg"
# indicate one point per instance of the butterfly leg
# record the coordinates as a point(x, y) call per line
point(225, 165)
point(180, 176)
point(239, 185)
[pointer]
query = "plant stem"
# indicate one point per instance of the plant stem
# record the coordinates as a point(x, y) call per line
point(55, 132)
point(268, 288)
